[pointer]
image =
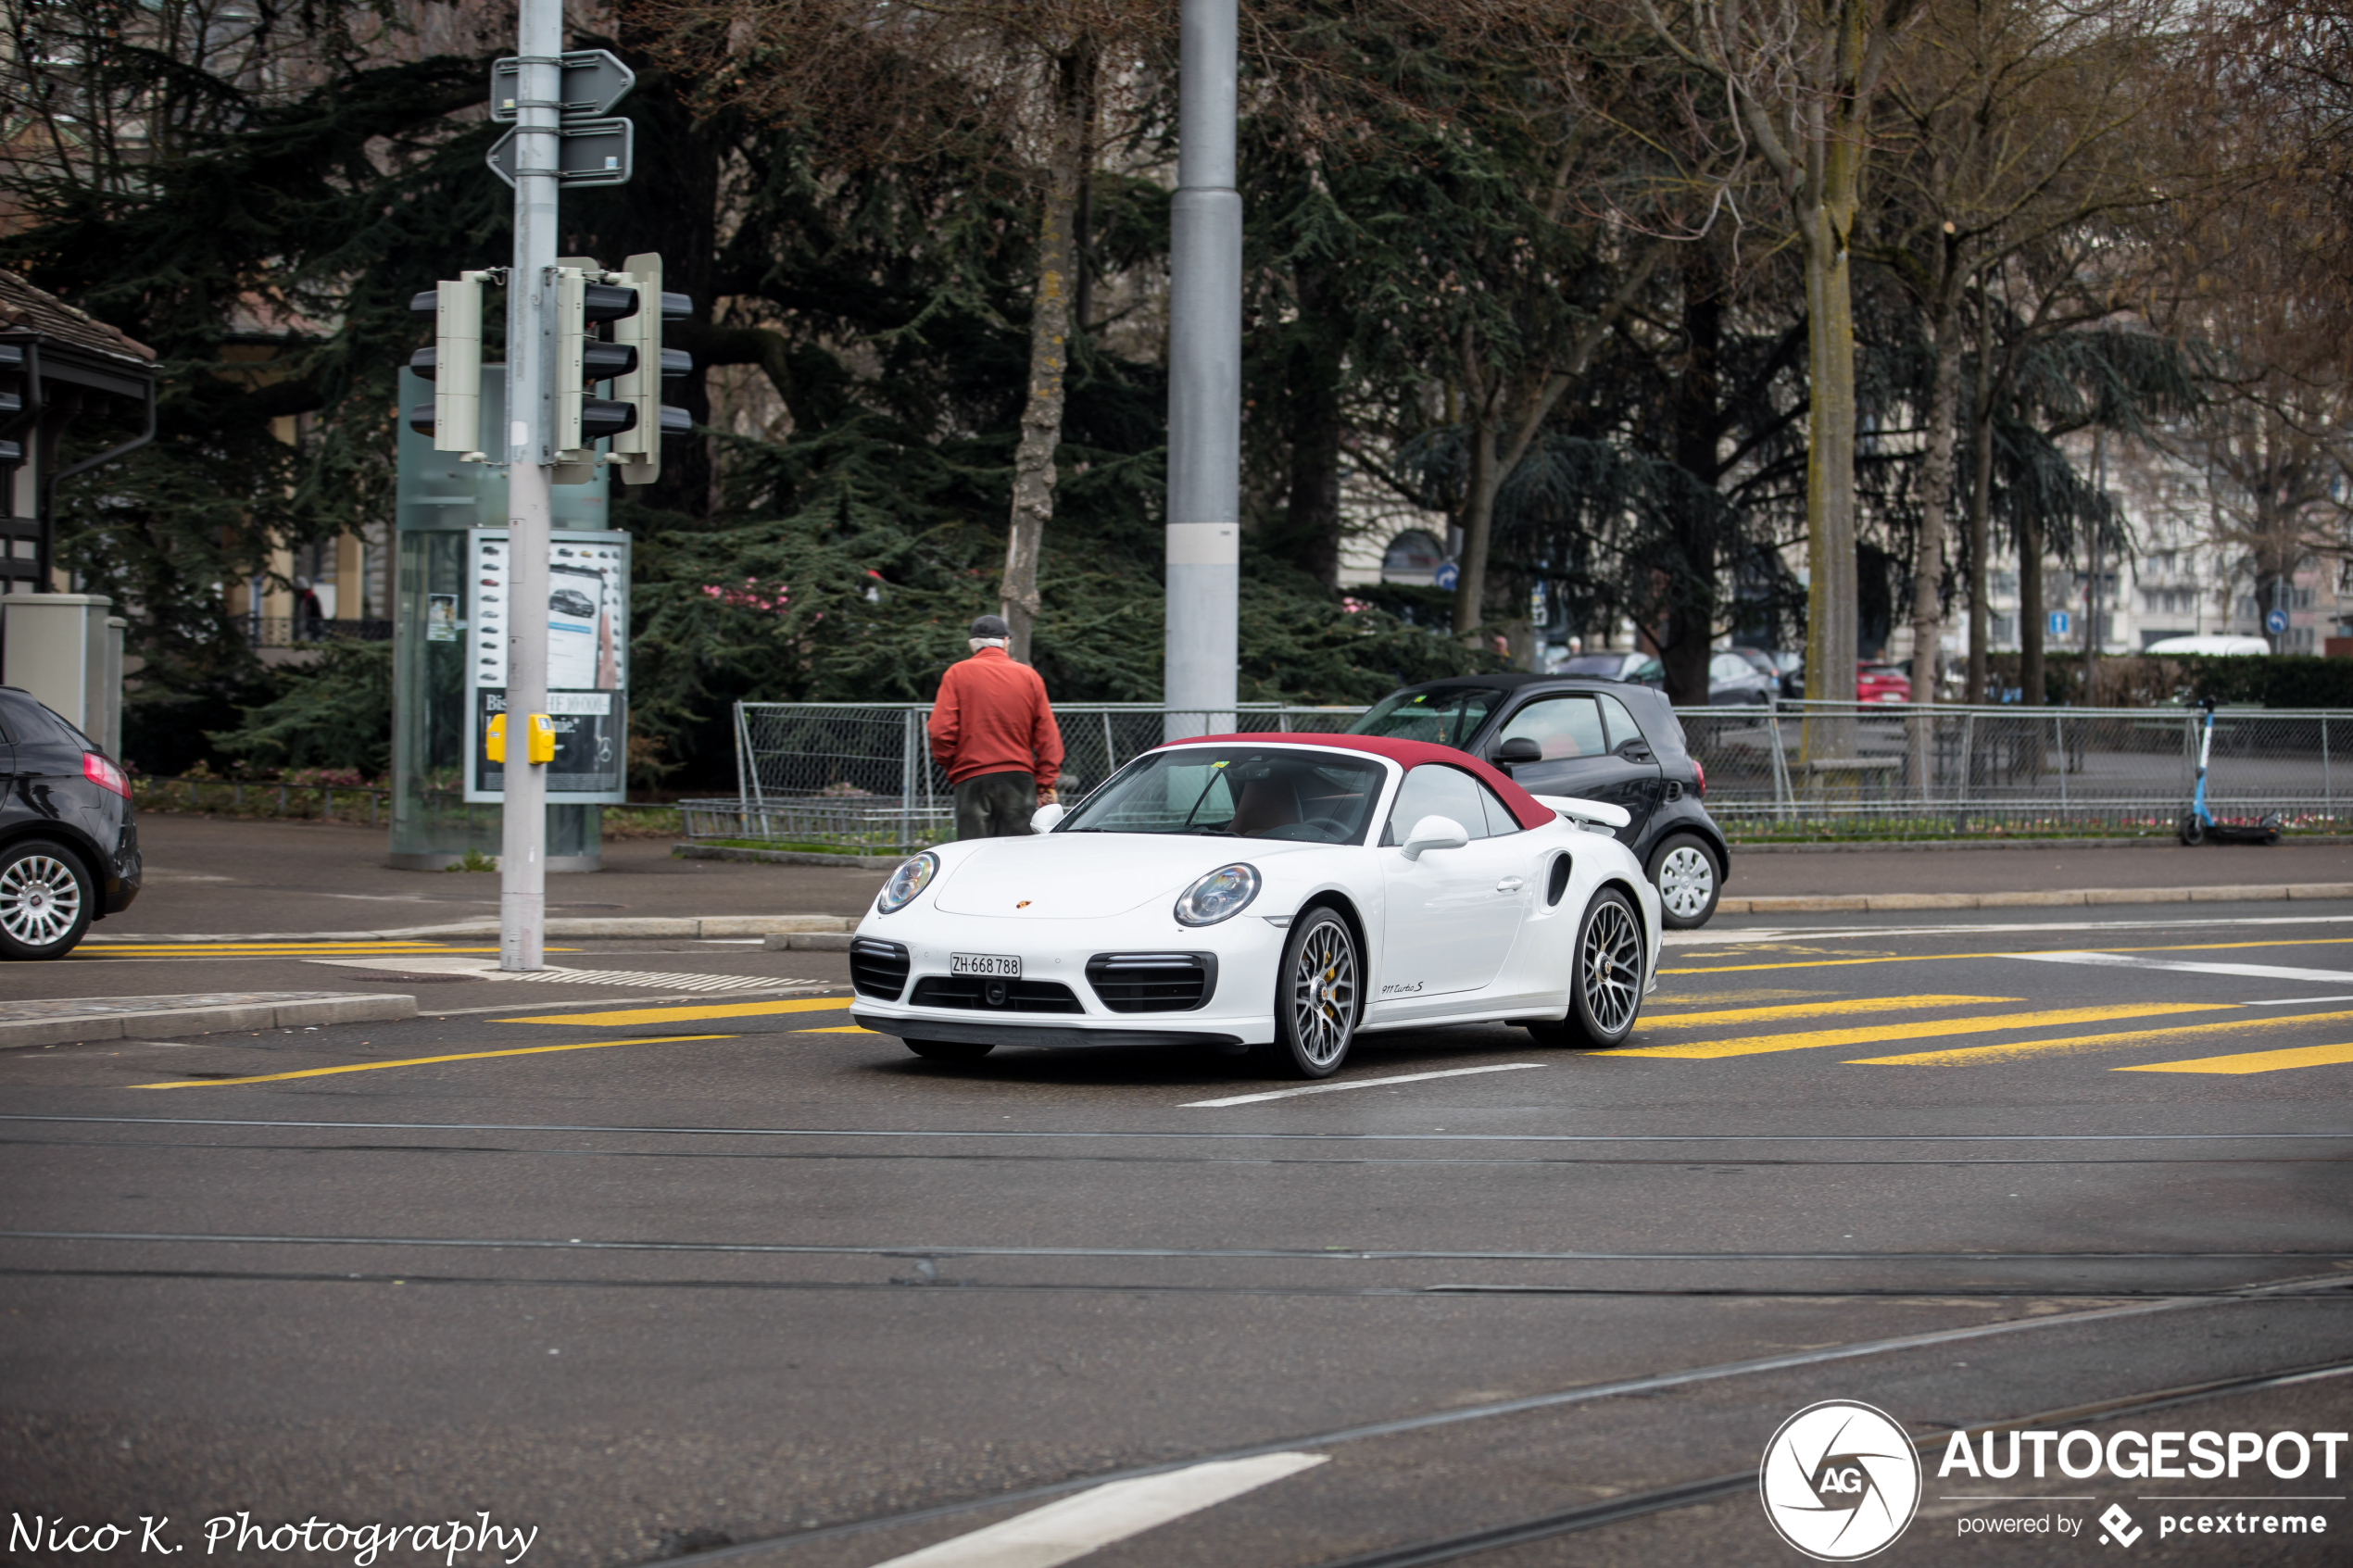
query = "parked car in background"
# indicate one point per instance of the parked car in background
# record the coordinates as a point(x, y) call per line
point(1592, 739)
point(1641, 669)
point(1788, 670)
point(2211, 645)
point(68, 846)
point(1882, 682)
point(1734, 678)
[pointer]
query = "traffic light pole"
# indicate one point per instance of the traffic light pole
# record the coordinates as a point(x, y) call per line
point(531, 305)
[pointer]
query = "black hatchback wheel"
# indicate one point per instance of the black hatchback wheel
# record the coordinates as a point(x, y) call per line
point(1689, 882)
point(46, 900)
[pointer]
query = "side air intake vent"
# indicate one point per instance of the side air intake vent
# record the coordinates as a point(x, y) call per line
point(1154, 982)
point(878, 968)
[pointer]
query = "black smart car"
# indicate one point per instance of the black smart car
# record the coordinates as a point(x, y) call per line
point(1597, 739)
point(69, 847)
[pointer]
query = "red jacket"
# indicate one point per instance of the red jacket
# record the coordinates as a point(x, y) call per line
point(991, 716)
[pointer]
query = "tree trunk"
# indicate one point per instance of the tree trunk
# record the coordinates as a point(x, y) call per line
point(1698, 422)
point(1042, 416)
point(1830, 595)
point(2029, 608)
point(1981, 509)
point(1936, 491)
point(1312, 527)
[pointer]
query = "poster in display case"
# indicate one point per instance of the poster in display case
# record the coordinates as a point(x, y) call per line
point(587, 631)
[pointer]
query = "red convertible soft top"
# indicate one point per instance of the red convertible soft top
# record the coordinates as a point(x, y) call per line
point(1405, 754)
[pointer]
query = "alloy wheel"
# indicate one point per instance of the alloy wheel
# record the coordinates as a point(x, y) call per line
point(1686, 881)
point(1611, 966)
point(40, 900)
point(1323, 992)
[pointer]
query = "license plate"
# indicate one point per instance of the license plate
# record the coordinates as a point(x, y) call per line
point(984, 963)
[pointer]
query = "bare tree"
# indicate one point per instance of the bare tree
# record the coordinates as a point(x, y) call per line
point(1014, 85)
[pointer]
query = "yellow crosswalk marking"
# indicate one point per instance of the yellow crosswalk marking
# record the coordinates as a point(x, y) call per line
point(2253, 1061)
point(2023, 1051)
point(692, 1013)
point(425, 1061)
point(1757, 1044)
point(1845, 1006)
point(838, 1029)
point(269, 949)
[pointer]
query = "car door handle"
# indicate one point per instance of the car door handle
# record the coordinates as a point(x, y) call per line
point(1511, 885)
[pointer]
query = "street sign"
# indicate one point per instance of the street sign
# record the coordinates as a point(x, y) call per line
point(589, 152)
point(1447, 575)
point(594, 79)
point(2061, 621)
point(2276, 623)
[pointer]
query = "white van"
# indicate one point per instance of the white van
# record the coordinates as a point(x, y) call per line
point(2211, 645)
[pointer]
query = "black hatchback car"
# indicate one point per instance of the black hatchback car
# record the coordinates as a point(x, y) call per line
point(68, 846)
point(1597, 739)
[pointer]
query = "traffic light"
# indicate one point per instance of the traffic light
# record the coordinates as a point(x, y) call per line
point(638, 448)
point(584, 302)
point(454, 366)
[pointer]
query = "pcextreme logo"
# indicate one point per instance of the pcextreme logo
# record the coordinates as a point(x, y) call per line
point(1840, 1481)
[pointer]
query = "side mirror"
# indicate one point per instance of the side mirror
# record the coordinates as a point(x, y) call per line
point(1043, 819)
point(1434, 832)
point(1519, 748)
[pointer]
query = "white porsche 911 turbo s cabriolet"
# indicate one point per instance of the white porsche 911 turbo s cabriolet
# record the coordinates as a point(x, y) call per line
point(1278, 895)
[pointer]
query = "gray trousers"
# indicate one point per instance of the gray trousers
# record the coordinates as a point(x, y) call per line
point(996, 806)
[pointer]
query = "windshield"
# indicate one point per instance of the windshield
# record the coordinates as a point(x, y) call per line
point(1445, 716)
point(1237, 792)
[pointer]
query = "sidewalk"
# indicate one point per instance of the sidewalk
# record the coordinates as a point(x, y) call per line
point(2054, 869)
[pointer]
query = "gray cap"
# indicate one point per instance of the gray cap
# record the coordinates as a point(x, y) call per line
point(990, 626)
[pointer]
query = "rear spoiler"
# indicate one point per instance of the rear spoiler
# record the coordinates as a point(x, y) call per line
point(1595, 816)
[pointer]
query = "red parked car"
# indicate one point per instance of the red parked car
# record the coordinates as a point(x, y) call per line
point(1882, 682)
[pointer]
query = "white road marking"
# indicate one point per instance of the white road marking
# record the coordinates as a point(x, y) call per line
point(2298, 1001)
point(2190, 966)
point(1826, 933)
point(1356, 1083)
point(1062, 1531)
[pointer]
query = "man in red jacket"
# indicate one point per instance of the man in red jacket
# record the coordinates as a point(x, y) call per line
point(992, 729)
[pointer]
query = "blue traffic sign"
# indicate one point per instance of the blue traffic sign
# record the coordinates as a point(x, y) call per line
point(2276, 623)
point(2060, 622)
point(1447, 575)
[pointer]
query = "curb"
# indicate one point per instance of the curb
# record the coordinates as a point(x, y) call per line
point(689, 926)
point(1808, 903)
point(353, 1009)
point(1870, 846)
point(781, 856)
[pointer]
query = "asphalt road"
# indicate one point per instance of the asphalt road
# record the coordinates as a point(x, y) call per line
point(733, 1276)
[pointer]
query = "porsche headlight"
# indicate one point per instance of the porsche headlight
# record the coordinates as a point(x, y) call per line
point(1221, 895)
point(910, 878)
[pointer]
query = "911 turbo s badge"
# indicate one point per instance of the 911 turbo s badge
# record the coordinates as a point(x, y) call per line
point(1403, 989)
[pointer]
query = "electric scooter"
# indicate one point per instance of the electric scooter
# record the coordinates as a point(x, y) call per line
point(2198, 823)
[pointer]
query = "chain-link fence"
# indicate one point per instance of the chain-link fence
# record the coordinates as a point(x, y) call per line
point(852, 778)
point(860, 778)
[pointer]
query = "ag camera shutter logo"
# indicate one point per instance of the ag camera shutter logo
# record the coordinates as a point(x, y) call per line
point(1840, 1481)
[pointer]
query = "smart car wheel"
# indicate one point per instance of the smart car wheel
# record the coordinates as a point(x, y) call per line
point(949, 1050)
point(46, 900)
point(1606, 993)
point(1687, 881)
point(1316, 993)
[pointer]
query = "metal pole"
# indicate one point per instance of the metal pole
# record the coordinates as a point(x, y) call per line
point(523, 859)
point(1204, 380)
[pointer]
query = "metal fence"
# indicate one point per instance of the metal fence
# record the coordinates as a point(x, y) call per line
point(1963, 771)
point(845, 777)
point(859, 778)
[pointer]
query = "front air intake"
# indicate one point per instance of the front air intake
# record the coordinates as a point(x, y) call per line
point(878, 968)
point(1152, 982)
